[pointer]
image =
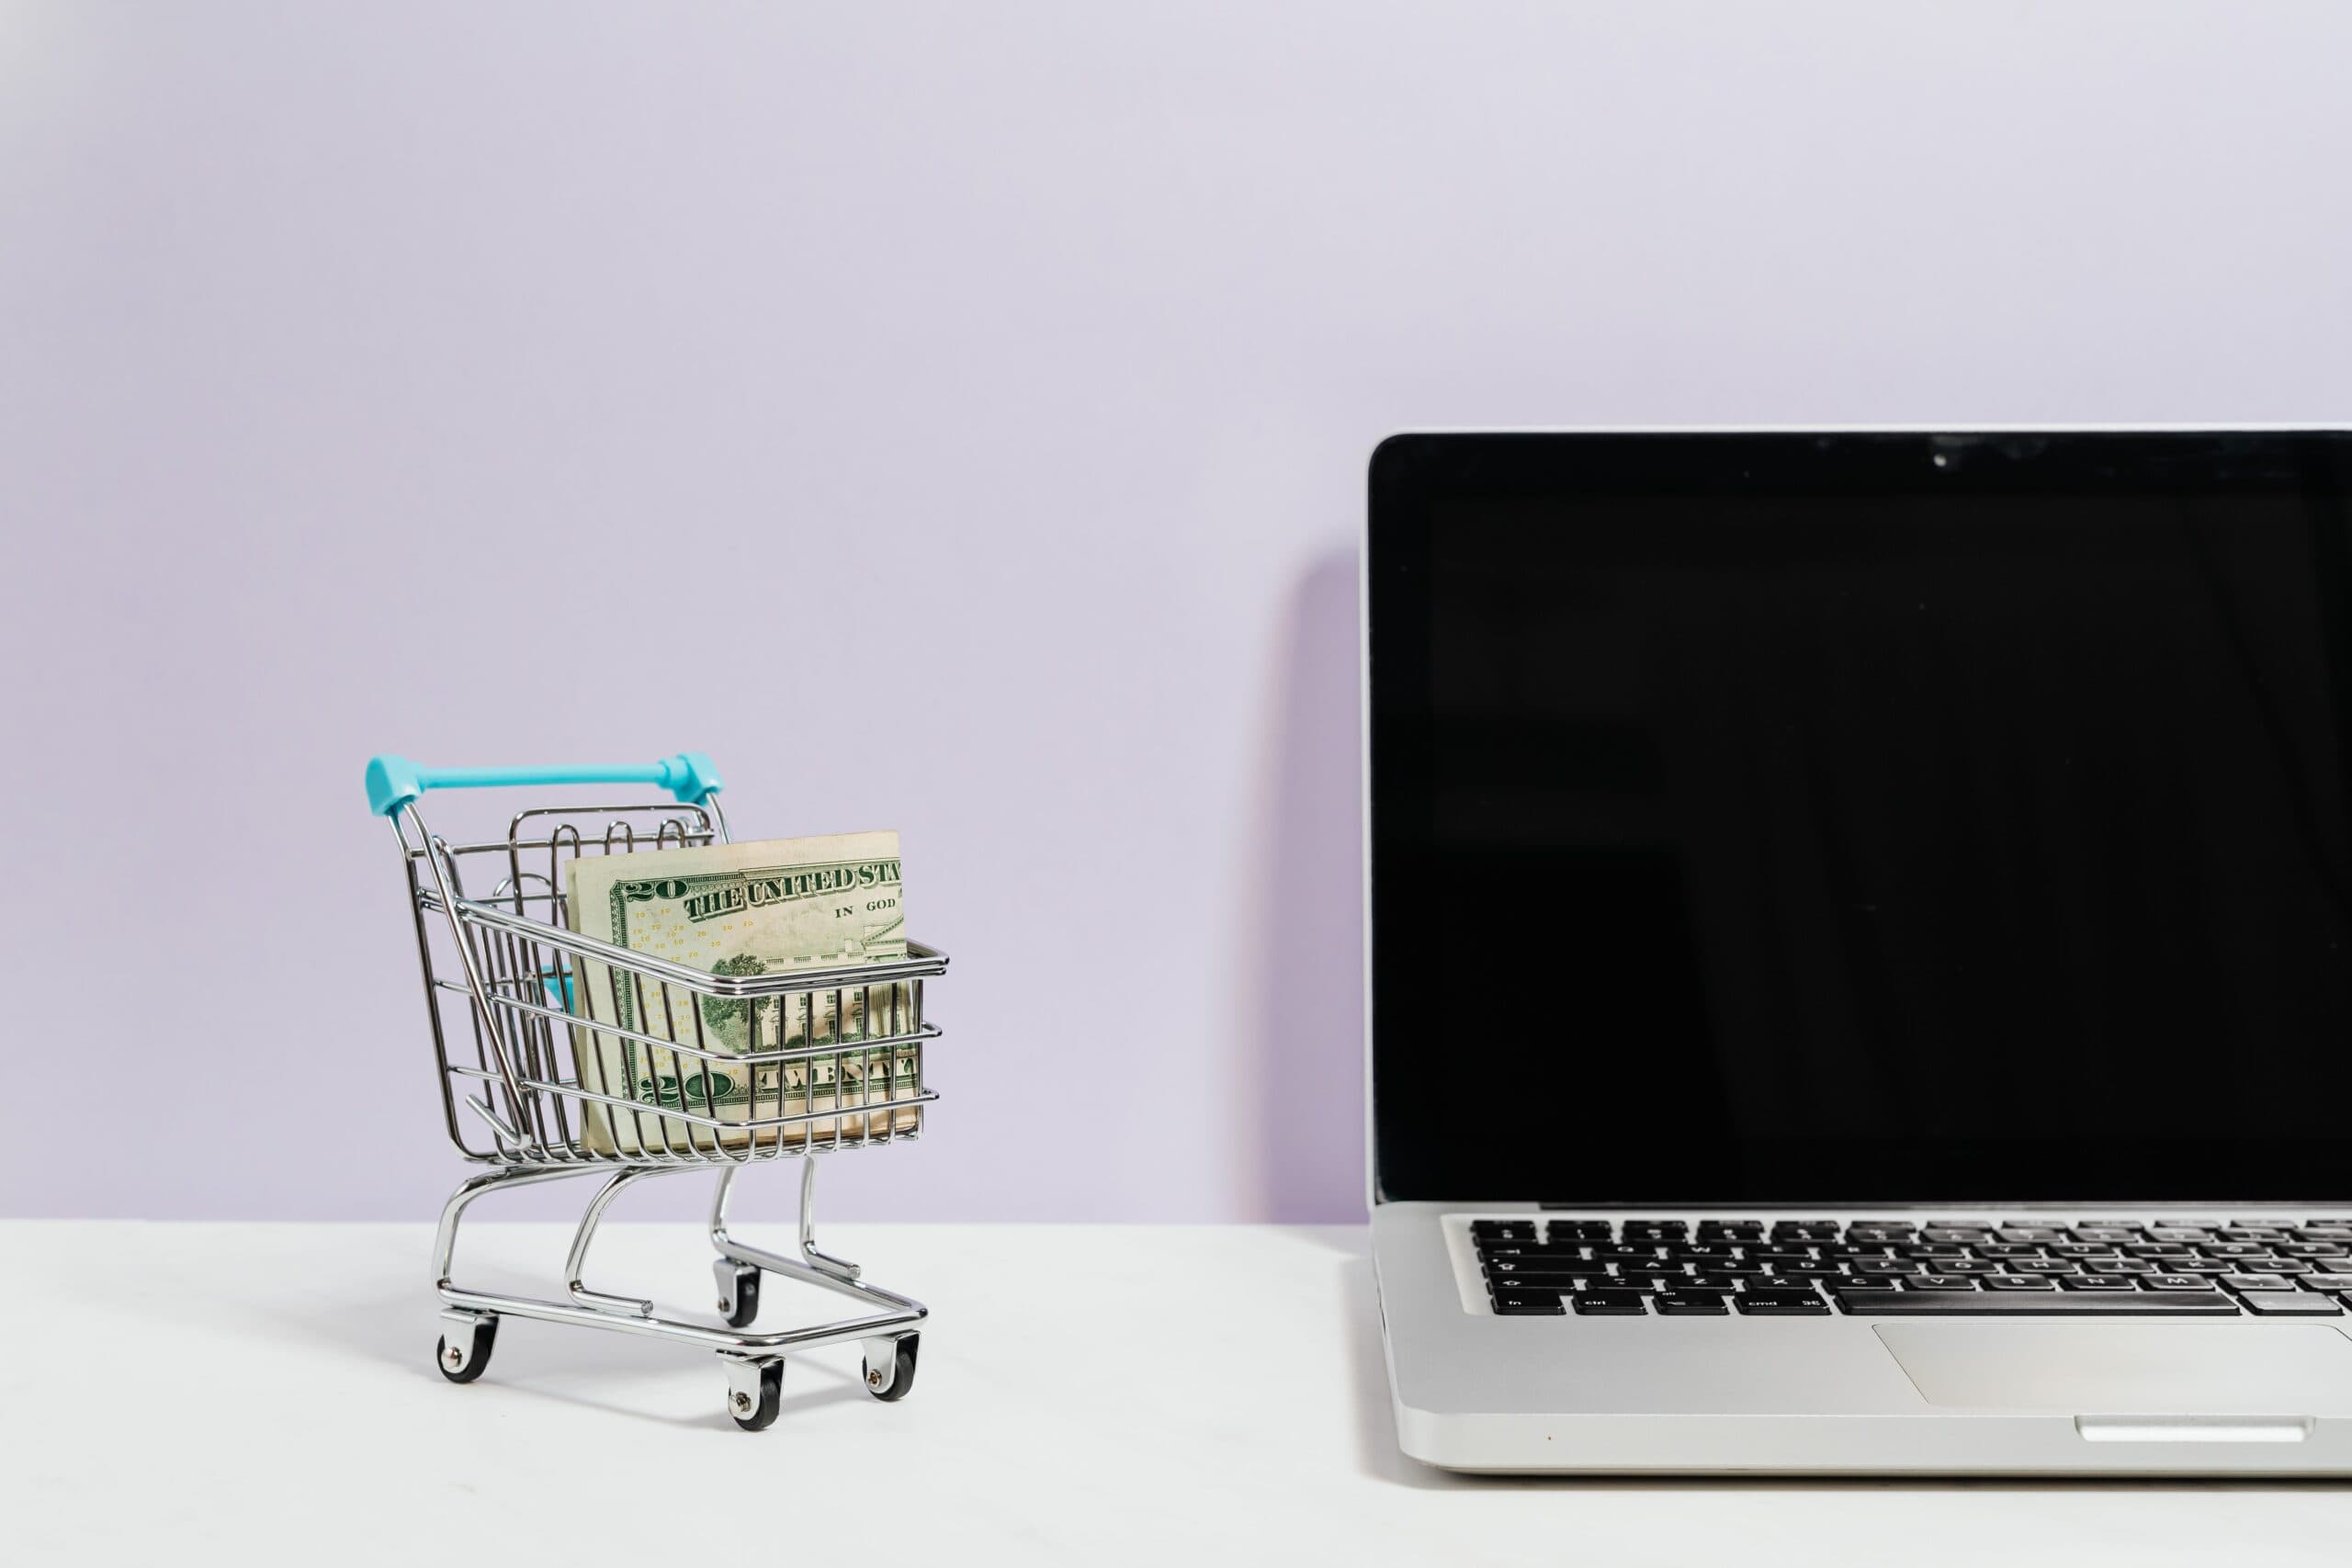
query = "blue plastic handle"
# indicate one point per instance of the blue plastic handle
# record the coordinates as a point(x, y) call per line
point(393, 781)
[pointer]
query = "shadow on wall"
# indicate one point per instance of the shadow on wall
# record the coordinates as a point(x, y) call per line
point(1309, 1013)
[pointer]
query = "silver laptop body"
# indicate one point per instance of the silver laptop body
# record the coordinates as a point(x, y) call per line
point(1787, 847)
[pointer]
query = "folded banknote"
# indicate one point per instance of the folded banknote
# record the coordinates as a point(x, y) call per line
point(759, 908)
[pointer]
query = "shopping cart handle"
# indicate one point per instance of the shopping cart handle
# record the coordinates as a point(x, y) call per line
point(393, 781)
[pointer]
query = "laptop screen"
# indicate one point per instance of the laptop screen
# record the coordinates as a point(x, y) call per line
point(1864, 818)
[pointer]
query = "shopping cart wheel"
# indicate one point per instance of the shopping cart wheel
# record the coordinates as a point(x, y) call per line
point(464, 1351)
point(891, 1373)
point(738, 1292)
point(754, 1391)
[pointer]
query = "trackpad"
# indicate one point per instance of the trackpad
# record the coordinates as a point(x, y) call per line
point(2270, 1368)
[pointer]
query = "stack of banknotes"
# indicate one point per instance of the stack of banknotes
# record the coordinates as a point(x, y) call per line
point(762, 909)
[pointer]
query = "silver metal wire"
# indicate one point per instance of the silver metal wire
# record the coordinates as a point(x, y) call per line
point(519, 1059)
point(504, 976)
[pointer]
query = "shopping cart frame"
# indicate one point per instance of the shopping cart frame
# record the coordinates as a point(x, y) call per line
point(543, 1126)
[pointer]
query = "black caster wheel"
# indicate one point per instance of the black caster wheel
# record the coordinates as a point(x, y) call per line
point(755, 1406)
point(738, 1292)
point(463, 1363)
point(894, 1378)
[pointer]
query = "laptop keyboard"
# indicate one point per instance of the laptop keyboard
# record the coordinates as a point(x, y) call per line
point(1547, 1266)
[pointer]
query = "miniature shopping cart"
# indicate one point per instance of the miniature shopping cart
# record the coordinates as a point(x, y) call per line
point(521, 1055)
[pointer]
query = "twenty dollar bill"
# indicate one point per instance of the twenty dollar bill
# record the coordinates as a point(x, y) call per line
point(761, 909)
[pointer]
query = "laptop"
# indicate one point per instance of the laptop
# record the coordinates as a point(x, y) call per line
point(1860, 949)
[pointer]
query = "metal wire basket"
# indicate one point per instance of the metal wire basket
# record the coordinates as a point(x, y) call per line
point(539, 1086)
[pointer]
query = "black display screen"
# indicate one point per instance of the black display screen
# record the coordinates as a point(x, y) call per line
point(1864, 818)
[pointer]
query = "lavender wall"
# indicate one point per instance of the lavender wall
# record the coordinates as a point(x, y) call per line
point(522, 381)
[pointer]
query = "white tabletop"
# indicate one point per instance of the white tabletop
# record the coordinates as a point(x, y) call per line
point(1086, 1394)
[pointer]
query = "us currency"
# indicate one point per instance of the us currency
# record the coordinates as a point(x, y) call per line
point(759, 908)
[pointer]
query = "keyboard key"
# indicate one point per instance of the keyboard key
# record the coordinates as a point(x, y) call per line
point(1938, 1282)
point(1880, 1267)
point(1691, 1304)
point(1532, 1249)
point(2032, 1304)
point(1503, 1230)
point(2175, 1282)
point(1798, 1235)
point(2098, 1282)
point(1956, 1233)
point(1611, 1304)
point(2118, 1266)
point(1869, 1284)
point(1529, 1303)
point(2257, 1282)
point(1651, 1279)
point(1654, 1230)
point(1730, 1230)
point(1577, 1230)
point(1504, 1270)
point(2295, 1303)
point(1553, 1279)
point(1782, 1303)
point(2020, 1282)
